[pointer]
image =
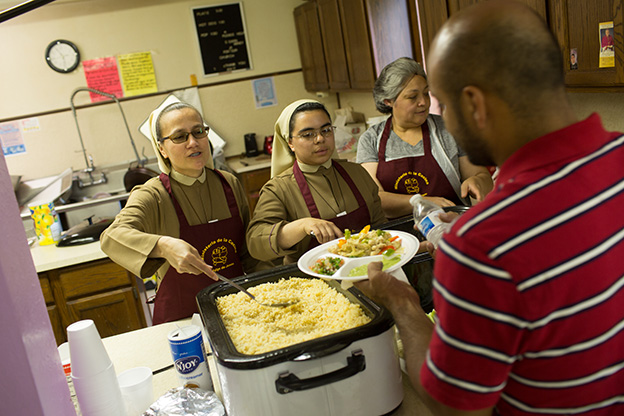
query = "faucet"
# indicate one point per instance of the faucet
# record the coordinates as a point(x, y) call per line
point(92, 181)
point(90, 169)
point(89, 160)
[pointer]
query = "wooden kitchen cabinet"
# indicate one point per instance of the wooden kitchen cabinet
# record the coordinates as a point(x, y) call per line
point(334, 45)
point(357, 39)
point(574, 24)
point(433, 14)
point(538, 5)
point(252, 182)
point(53, 310)
point(100, 290)
point(311, 47)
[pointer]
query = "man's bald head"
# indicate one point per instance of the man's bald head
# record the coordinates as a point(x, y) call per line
point(501, 47)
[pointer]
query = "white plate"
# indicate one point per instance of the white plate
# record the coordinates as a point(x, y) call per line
point(409, 244)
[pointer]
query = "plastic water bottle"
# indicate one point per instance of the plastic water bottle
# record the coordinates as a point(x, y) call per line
point(426, 218)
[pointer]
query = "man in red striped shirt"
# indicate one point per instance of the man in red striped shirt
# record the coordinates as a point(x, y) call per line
point(529, 283)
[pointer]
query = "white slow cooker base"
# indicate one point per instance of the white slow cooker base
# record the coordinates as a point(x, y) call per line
point(375, 391)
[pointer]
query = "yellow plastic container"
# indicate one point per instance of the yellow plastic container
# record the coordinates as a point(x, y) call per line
point(47, 224)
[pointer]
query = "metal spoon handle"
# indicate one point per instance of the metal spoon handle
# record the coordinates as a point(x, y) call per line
point(236, 285)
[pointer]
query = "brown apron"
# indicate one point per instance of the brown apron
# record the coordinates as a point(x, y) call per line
point(218, 243)
point(354, 220)
point(413, 175)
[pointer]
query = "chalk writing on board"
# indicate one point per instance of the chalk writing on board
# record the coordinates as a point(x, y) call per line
point(222, 39)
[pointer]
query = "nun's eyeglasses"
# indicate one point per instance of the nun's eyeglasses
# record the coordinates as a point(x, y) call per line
point(310, 135)
point(182, 136)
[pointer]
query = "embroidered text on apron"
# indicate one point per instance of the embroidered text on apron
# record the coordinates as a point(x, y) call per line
point(413, 175)
point(354, 220)
point(217, 242)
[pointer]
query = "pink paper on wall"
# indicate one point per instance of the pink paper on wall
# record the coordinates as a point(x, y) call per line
point(102, 75)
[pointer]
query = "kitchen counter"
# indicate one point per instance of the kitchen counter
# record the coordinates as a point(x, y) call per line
point(248, 164)
point(146, 347)
point(149, 347)
point(52, 257)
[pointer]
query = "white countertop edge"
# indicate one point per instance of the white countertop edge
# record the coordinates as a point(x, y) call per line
point(248, 164)
point(51, 257)
point(243, 169)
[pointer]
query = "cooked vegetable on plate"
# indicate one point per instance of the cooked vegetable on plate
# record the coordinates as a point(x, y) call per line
point(327, 265)
point(366, 243)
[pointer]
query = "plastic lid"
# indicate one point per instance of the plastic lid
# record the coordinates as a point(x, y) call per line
point(415, 198)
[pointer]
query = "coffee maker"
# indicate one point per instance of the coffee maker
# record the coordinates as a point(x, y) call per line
point(251, 147)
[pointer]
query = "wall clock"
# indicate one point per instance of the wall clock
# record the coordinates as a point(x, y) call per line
point(62, 56)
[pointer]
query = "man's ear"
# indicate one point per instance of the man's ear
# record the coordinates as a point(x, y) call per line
point(387, 102)
point(473, 103)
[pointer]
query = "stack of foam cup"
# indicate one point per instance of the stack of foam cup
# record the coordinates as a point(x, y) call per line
point(92, 372)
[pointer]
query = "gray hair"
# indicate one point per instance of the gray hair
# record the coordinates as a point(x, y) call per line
point(393, 79)
point(172, 107)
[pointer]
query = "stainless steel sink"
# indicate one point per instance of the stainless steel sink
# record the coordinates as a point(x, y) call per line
point(95, 202)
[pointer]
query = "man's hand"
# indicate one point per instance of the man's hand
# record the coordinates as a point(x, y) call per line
point(382, 287)
point(477, 186)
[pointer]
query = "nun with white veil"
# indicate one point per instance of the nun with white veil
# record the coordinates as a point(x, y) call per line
point(186, 224)
point(312, 197)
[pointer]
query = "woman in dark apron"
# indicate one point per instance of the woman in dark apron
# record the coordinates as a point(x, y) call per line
point(411, 152)
point(185, 225)
point(311, 198)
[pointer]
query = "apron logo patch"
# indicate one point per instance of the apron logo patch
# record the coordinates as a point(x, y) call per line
point(217, 252)
point(219, 255)
point(410, 181)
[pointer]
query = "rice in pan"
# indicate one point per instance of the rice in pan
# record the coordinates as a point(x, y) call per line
point(256, 329)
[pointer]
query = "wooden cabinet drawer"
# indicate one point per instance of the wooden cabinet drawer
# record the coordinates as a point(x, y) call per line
point(255, 180)
point(57, 326)
point(99, 290)
point(113, 312)
point(92, 278)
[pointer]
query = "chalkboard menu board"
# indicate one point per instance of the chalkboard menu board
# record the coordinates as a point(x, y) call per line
point(222, 39)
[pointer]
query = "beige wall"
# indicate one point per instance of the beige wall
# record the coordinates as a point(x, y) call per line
point(608, 105)
point(112, 27)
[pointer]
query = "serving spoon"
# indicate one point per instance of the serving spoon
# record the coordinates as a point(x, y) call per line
point(242, 289)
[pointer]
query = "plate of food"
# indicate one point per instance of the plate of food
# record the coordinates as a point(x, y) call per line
point(347, 258)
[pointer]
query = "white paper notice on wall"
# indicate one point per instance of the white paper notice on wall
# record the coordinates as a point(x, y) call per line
point(12, 139)
point(264, 92)
point(30, 124)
